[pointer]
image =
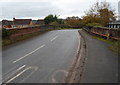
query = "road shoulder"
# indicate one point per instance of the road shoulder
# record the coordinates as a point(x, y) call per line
point(76, 70)
point(101, 64)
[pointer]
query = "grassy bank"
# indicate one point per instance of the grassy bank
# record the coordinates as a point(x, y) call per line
point(9, 41)
point(115, 45)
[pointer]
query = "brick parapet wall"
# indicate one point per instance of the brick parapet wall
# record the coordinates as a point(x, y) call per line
point(23, 31)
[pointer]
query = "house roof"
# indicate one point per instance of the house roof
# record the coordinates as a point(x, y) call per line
point(34, 21)
point(40, 22)
point(22, 21)
point(10, 22)
point(6, 22)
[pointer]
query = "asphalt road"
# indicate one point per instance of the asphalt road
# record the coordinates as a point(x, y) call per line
point(42, 59)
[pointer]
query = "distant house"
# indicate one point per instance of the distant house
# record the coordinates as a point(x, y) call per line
point(115, 24)
point(19, 23)
point(7, 24)
point(40, 22)
point(34, 21)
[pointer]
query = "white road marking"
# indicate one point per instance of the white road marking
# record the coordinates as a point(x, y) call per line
point(28, 54)
point(21, 67)
point(9, 71)
point(79, 37)
point(53, 38)
point(34, 70)
point(54, 79)
point(17, 75)
point(8, 76)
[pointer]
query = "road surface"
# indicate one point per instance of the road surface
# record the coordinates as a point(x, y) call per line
point(43, 59)
point(101, 63)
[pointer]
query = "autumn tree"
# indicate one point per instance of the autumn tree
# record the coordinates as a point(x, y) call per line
point(73, 21)
point(101, 13)
point(106, 16)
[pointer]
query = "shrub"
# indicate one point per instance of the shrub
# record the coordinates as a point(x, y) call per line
point(5, 33)
point(94, 24)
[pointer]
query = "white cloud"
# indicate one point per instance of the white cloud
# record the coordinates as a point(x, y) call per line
point(41, 8)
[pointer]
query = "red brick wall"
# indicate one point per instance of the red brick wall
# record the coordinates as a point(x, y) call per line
point(23, 31)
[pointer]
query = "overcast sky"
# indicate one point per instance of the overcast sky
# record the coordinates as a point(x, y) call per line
point(38, 9)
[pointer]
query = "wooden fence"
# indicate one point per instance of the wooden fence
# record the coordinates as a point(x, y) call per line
point(104, 32)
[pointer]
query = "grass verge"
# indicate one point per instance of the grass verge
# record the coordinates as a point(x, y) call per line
point(115, 45)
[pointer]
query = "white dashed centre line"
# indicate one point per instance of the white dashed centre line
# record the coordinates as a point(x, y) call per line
point(53, 38)
point(28, 54)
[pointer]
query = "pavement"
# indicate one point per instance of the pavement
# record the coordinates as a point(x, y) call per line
point(43, 59)
point(101, 63)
